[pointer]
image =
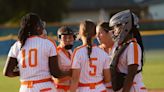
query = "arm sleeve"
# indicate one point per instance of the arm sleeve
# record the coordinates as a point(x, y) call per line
point(13, 51)
point(53, 50)
point(107, 62)
point(75, 61)
point(133, 54)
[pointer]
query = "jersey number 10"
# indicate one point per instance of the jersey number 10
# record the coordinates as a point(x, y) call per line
point(31, 53)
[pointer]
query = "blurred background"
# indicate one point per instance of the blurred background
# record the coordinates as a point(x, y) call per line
point(57, 13)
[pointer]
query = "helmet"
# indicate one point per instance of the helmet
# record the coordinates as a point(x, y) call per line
point(124, 17)
point(136, 20)
point(127, 19)
point(65, 31)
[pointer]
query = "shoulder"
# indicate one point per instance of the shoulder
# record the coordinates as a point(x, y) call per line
point(78, 50)
point(132, 42)
point(59, 48)
point(50, 41)
point(15, 48)
point(133, 45)
point(17, 45)
point(100, 50)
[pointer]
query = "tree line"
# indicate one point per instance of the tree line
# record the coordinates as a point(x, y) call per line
point(48, 10)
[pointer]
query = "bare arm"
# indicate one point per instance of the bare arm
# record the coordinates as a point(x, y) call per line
point(75, 80)
point(107, 75)
point(55, 70)
point(132, 70)
point(10, 65)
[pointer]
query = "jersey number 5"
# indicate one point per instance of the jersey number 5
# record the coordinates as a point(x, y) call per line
point(32, 62)
point(92, 73)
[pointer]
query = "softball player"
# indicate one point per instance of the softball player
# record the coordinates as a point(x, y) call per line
point(125, 23)
point(66, 38)
point(104, 36)
point(34, 56)
point(90, 64)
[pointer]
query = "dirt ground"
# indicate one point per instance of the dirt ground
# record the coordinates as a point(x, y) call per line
point(156, 90)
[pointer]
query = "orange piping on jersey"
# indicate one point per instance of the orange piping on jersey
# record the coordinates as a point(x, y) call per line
point(42, 37)
point(133, 39)
point(45, 89)
point(47, 39)
point(74, 52)
point(38, 36)
point(33, 36)
point(58, 49)
point(135, 53)
point(52, 42)
point(68, 55)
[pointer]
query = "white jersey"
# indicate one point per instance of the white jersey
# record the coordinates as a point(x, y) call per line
point(109, 85)
point(91, 71)
point(33, 58)
point(132, 55)
point(64, 57)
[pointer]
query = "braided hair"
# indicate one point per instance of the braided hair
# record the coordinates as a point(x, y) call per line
point(29, 27)
point(88, 29)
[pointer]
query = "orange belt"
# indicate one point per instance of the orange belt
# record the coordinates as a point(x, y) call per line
point(91, 85)
point(64, 87)
point(31, 83)
point(109, 87)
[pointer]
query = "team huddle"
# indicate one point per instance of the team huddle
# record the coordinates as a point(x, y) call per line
point(114, 65)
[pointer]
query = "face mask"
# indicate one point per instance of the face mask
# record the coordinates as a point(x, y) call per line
point(67, 47)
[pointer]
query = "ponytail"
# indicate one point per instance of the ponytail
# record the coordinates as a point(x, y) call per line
point(29, 25)
point(89, 46)
point(88, 29)
point(22, 36)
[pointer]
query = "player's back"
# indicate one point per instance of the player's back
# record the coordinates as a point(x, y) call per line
point(33, 58)
point(91, 70)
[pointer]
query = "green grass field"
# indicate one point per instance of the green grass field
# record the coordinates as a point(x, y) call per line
point(153, 73)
